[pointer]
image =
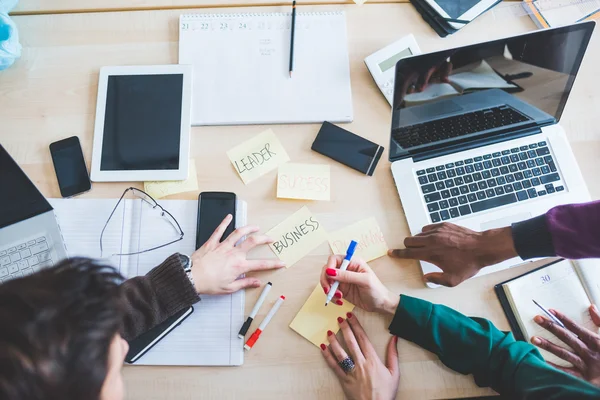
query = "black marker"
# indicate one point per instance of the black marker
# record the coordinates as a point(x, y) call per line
point(254, 311)
point(293, 29)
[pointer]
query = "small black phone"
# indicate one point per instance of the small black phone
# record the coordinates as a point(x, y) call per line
point(144, 342)
point(69, 165)
point(346, 147)
point(213, 207)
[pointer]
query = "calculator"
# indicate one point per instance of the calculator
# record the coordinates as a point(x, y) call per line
point(381, 63)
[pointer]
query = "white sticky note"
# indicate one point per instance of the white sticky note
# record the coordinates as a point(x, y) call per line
point(296, 236)
point(304, 181)
point(367, 233)
point(257, 156)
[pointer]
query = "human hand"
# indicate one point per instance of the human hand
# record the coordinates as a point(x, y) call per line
point(217, 265)
point(584, 352)
point(359, 285)
point(370, 378)
point(459, 252)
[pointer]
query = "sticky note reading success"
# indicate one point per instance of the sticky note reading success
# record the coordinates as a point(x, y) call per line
point(257, 156)
point(161, 189)
point(303, 181)
point(297, 236)
point(367, 233)
point(314, 318)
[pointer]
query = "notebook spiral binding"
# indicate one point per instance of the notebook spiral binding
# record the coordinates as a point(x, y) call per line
point(247, 15)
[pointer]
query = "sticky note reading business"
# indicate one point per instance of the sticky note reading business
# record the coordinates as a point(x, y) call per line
point(159, 189)
point(303, 181)
point(314, 318)
point(257, 156)
point(367, 233)
point(297, 236)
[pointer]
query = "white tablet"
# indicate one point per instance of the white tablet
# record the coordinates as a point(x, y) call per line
point(463, 10)
point(142, 130)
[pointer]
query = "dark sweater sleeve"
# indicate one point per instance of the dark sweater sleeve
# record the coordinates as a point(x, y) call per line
point(571, 231)
point(475, 346)
point(150, 299)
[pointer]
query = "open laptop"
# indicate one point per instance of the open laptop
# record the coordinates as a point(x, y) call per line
point(30, 238)
point(475, 138)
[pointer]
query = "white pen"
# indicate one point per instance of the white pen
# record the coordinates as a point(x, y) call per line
point(255, 310)
point(263, 325)
point(549, 314)
point(345, 263)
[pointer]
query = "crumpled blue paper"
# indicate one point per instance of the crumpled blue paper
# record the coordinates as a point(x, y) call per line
point(10, 48)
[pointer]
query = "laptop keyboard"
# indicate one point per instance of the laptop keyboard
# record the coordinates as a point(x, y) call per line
point(464, 124)
point(493, 180)
point(24, 258)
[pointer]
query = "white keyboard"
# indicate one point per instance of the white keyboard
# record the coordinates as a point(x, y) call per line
point(24, 258)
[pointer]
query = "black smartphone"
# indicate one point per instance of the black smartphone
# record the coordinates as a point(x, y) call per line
point(69, 166)
point(144, 342)
point(213, 207)
point(346, 147)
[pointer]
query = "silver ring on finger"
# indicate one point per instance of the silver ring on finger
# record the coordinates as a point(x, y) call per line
point(347, 364)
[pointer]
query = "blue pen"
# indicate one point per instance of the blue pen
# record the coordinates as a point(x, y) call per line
point(345, 263)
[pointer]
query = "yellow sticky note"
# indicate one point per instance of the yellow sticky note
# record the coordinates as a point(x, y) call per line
point(360, 2)
point(303, 181)
point(314, 318)
point(162, 189)
point(367, 233)
point(297, 236)
point(257, 156)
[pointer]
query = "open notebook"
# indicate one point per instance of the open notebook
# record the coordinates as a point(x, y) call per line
point(209, 335)
point(481, 77)
point(241, 68)
point(568, 286)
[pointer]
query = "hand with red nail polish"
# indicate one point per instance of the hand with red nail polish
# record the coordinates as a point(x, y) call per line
point(217, 265)
point(359, 285)
point(371, 378)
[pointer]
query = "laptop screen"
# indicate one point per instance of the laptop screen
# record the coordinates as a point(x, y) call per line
point(467, 93)
point(20, 199)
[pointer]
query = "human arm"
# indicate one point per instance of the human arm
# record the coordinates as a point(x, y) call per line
point(570, 231)
point(467, 345)
point(216, 266)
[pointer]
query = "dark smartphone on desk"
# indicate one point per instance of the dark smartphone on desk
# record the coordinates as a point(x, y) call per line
point(69, 165)
point(346, 147)
point(213, 207)
point(144, 342)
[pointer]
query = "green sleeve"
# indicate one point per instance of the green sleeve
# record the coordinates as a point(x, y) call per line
point(475, 346)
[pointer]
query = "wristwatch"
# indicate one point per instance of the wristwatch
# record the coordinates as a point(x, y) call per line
point(186, 262)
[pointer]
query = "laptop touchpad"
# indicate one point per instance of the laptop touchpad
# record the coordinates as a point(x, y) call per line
point(435, 109)
point(506, 221)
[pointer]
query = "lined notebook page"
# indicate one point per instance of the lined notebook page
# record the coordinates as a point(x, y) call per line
point(589, 272)
point(241, 68)
point(209, 335)
point(557, 286)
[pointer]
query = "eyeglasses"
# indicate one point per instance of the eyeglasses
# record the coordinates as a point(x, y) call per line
point(145, 197)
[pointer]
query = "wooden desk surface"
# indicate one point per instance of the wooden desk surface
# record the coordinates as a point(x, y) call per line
point(50, 94)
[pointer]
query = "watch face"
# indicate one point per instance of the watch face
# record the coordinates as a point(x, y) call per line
point(186, 261)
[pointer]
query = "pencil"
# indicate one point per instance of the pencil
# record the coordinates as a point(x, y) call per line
point(293, 29)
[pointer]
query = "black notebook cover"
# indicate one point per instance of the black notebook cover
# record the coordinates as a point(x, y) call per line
point(508, 311)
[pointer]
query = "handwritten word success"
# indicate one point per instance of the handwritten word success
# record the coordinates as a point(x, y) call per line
point(371, 243)
point(304, 181)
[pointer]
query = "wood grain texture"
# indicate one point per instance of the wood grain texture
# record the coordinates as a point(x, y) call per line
point(50, 93)
point(30, 7)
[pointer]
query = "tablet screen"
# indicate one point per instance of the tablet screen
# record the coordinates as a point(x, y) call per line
point(456, 8)
point(142, 123)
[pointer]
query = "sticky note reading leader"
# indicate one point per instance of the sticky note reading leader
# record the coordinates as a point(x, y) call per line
point(297, 236)
point(166, 188)
point(303, 181)
point(367, 233)
point(314, 318)
point(257, 156)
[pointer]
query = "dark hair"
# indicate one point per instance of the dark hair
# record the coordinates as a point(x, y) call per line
point(56, 327)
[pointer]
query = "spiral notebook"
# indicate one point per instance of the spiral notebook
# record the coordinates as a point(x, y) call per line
point(241, 68)
point(210, 335)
